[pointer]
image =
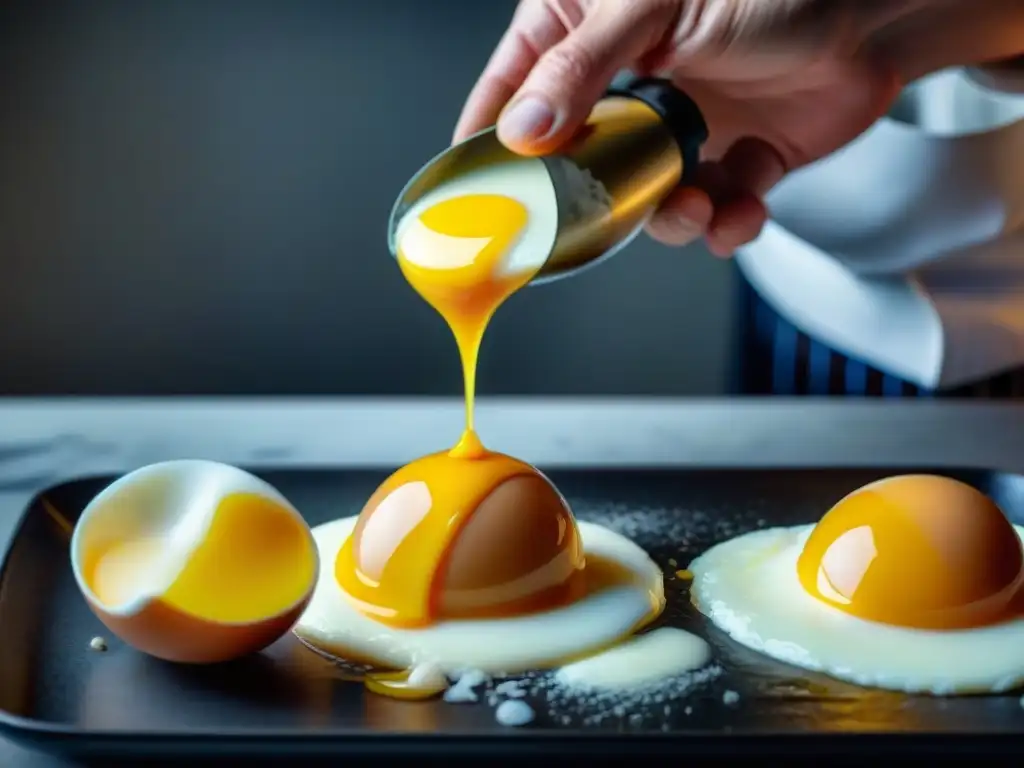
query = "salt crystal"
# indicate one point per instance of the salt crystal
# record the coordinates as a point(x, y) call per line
point(514, 713)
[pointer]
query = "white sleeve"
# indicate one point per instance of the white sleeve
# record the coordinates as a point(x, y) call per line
point(1006, 76)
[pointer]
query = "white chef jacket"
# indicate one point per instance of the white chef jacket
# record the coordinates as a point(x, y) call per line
point(905, 249)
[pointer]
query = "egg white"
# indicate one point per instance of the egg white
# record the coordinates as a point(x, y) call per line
point(331, 623)
point(748, 587)
point(644, 659)
point(525, 180)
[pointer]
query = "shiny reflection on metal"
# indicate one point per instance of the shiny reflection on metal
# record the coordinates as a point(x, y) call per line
point(478, 151)
point(625, 147)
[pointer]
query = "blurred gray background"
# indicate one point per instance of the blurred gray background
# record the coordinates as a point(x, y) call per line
point(193, 198)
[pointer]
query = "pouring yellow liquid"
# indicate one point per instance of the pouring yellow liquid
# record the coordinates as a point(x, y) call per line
point(460, 245)
point(403, 552)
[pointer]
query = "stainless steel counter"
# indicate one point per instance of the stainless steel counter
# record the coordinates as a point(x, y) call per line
point(43, 442)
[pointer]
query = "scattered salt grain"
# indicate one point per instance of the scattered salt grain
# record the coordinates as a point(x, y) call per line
point(689, 531)
point(580, 195)
point(573, 705)
point(471, 677)
point(510, 688)
point(459, 694)
point(514, 713)
point(462, 691)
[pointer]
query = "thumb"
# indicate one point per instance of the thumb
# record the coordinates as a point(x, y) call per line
point(569, 79)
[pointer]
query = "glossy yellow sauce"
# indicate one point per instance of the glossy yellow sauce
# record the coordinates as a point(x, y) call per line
point(917, 551)
point(458, 271)
point(394, 565)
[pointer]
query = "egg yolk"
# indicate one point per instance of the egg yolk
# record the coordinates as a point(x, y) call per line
point(254, 562)
point(452, 256)
point(915, 551)
point(447, 537)
point(467, 532)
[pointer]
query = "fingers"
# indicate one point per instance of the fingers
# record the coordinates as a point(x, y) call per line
point(534, 29)
point(567, 81)
point(724, 202)
point(754, 165)
point(686, 213)
point(735, 224)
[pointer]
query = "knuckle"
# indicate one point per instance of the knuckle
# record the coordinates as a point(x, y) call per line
point(570, 65)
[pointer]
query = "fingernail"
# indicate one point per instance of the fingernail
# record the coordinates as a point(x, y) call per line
point(528, 119)
point(681, 231)
point(686, 228)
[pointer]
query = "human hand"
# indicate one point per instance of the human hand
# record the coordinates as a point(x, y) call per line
point(781, 83)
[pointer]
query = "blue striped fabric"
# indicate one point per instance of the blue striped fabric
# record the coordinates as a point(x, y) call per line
point(778, 359)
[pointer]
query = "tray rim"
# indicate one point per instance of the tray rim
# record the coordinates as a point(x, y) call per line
point(57, 738)
point(359, 744)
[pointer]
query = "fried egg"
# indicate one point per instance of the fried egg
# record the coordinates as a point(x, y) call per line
point(623, 591)
point(470, 558)
point(910, 583)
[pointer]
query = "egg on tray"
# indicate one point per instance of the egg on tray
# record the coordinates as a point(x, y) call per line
point(470, 558)
point(486, 569)
point(194, 561)
point(912, 583)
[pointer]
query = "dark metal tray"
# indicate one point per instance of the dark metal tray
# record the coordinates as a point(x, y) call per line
point(58, 695)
